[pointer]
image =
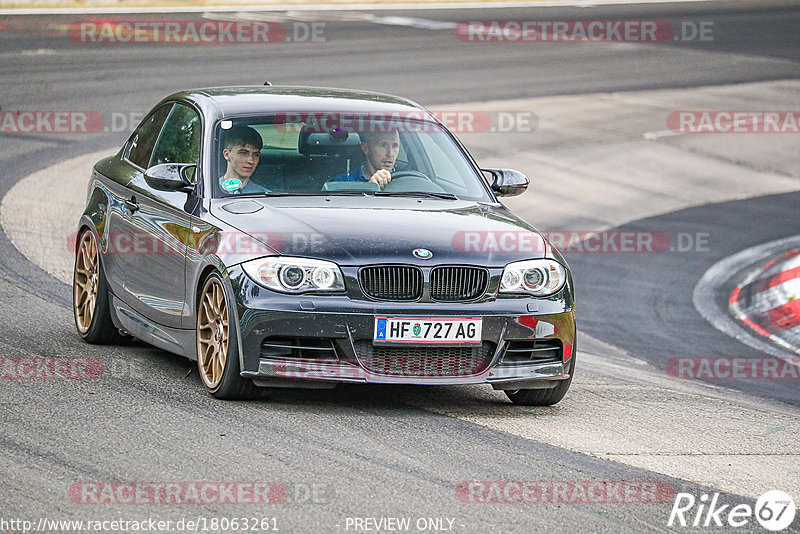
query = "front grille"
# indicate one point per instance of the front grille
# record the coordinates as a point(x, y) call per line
point(532, 351)
point(391, 282)
point(452, 284)
point(419, 361)
point(298, 347)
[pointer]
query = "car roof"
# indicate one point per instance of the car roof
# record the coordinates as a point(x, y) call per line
point(222, 102)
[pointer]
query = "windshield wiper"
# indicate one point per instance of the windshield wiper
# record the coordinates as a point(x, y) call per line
point(416, 194)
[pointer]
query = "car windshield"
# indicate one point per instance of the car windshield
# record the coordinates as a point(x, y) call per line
point(333, 154)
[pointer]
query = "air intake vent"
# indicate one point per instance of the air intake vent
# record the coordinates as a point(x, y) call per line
point(532, 351)
point(298, 347)
point(419, 361)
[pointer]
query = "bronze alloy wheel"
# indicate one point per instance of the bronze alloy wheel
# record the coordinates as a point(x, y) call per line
point(86, 282)
point(213, 333)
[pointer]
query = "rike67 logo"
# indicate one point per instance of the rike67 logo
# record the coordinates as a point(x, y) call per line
point(774, 510)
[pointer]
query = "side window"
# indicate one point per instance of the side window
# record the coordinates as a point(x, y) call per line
point(179, 141)
point(144, 138)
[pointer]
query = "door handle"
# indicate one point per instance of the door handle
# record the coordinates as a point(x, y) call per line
point(131, 204)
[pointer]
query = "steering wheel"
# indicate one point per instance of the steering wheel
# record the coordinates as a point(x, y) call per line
point(411, 181)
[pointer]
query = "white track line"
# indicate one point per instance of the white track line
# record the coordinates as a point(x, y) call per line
point(411, 22)
point(331, 7)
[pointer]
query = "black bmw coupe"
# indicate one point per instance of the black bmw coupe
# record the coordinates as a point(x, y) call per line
point(305, 237)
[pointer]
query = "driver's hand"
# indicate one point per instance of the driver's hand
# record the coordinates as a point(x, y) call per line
point(381, 177)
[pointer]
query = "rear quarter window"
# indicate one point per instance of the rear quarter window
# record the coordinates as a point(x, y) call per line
point(144, 138)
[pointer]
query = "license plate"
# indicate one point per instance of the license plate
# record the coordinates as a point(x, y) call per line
point(427, 330)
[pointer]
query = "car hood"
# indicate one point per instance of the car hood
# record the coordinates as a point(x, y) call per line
point(363, 230)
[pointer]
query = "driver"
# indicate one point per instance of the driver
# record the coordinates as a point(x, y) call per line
point(242, 150)
point(380, 152)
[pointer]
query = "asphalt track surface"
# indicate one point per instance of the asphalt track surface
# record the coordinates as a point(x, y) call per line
point(370, 452)
point(660, 323)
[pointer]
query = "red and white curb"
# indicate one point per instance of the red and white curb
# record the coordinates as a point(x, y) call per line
point(768, 300)
point(726, 320)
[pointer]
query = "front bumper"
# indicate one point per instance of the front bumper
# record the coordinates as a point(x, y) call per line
point(312, 340)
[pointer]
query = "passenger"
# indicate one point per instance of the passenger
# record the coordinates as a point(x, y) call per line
point(242, 150)
point(380, 152)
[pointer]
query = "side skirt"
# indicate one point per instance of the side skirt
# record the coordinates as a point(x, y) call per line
point(175, 340)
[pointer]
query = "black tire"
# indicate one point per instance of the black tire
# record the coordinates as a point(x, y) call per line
point(99, 328)
point(543, 397)
point(231, 385)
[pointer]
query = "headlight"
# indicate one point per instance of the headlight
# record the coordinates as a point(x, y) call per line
point(534, 277)
point(295, 275)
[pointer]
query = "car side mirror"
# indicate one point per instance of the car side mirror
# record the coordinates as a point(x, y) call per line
point(508, 182)
point(171, 176)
